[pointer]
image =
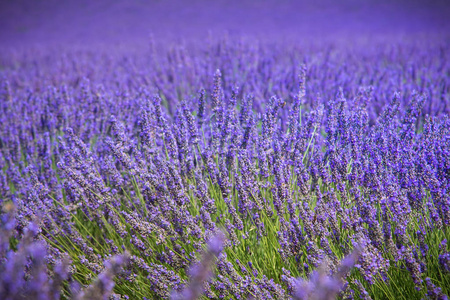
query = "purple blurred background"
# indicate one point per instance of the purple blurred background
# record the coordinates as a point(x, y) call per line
point(107, 21)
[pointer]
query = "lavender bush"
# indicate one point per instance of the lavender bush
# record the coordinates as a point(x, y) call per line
point(232, 169)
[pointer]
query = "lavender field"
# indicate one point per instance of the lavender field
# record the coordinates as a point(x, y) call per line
point(224, 150)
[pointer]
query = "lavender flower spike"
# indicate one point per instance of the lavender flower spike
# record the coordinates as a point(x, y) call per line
point(201, 272)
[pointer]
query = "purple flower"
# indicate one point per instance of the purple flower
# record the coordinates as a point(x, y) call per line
point(201, 272)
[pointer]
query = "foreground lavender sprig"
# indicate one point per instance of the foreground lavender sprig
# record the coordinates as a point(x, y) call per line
point(322, 285)
point(201, 272)
point(103, 286)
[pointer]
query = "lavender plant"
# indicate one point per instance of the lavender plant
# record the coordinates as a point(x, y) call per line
point(238, 171)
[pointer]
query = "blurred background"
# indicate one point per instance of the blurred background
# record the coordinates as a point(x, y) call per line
point(109, 22)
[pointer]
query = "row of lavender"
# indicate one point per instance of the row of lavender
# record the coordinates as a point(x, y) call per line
point(125, 166)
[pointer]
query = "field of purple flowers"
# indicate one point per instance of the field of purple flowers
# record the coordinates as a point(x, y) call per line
point(227, 169)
